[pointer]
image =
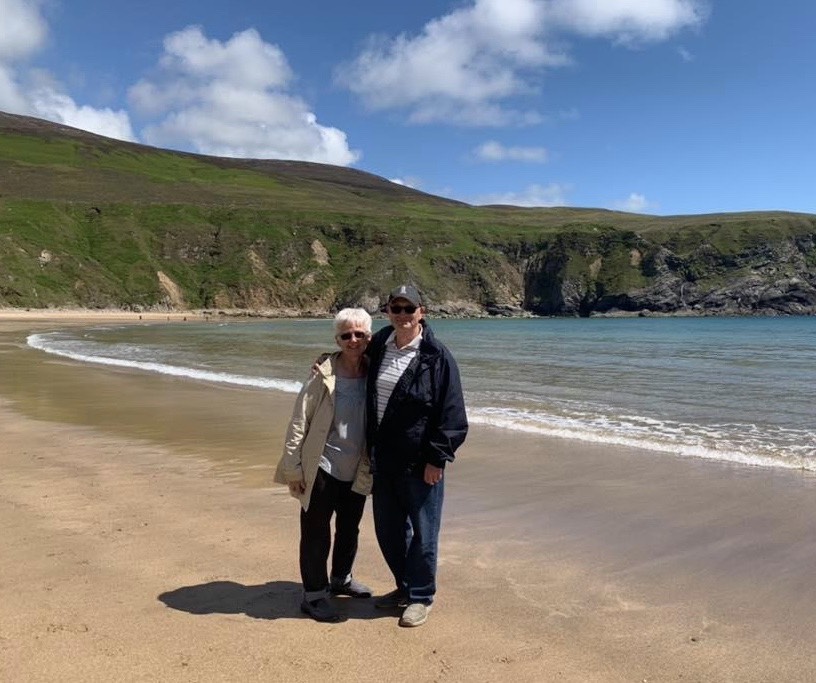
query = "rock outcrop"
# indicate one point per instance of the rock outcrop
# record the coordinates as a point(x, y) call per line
point(589, 277)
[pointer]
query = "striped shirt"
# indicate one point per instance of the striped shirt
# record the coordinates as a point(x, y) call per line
point(394, 363)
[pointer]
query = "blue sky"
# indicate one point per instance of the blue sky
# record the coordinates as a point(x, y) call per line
point(653, 106)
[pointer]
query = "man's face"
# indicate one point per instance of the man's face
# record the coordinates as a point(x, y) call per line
point(401, 318)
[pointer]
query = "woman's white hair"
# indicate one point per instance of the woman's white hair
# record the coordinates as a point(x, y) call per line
point(352, 316)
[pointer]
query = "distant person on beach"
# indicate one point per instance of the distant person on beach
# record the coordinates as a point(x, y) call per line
point(326, 468)
point(415, 422)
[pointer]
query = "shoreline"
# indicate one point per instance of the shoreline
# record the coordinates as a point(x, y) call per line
point(146, 541)
point(208, 315)
point(102, 315)
point(691, 446)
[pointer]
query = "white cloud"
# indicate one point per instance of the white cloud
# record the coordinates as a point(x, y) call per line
point(634, 203)
point(685, 55)
point(245, 60)
point(458, 68)
point(627, 21)
point(222, 98)
point(554, 194)
point(23, 30)
point(12, 98)
point(231, 99)
point(463, 67)
point(493, 151)
point(34, 92)
point(52, 105)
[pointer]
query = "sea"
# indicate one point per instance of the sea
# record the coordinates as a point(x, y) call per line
point(741, 390)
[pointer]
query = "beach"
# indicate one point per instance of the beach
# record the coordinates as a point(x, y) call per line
point(143, 540)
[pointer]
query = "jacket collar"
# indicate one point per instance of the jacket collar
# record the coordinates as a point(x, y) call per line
point(428, 346)
point(328, 371)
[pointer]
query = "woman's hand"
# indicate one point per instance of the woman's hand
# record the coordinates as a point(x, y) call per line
point(297, 488)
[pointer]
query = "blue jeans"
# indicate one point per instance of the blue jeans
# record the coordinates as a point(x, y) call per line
point(407, 515)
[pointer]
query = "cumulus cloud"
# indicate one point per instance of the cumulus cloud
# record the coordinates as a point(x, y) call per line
point(493, 151)
point(231, 99)
point(12, 98)
point(554, 194)
point(223, 98)
point(23, 29)
point(463, 67)
point(634, 203)
point(52, 105)
point(23, 32)
point(33, 92)
point(458, 68)
point(627, 21)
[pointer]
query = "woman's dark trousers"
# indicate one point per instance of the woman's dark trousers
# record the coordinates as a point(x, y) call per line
point(329, 497)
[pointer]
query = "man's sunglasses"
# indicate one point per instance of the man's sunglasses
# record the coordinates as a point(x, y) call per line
point(348, 335)
point(396, 310)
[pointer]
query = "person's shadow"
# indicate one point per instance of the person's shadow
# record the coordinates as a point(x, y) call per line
point(273, 600)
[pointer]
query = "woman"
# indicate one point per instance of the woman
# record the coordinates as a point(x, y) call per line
point(325, 466)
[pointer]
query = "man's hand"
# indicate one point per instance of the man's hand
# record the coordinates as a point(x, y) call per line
point(433, 475)
point(297, 487)
point(318, 362)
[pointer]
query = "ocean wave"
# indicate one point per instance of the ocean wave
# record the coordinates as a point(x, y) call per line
point(46, 343)
point(746, 444)
point(714, 442)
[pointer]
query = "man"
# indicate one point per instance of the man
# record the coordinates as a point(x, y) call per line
point(416, 421)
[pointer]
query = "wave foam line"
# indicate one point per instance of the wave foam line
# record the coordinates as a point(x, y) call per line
point(39, 342)
point(688, 450)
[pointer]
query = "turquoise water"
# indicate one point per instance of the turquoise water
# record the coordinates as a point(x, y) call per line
point(735, 389)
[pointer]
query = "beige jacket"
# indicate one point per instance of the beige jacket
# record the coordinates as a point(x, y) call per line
point(308, 430)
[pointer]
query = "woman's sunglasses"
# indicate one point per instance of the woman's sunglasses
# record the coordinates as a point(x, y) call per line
point(348, 335)
point(396, 310)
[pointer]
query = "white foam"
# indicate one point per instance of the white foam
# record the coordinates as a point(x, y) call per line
point(668, 439)
point(745, 444)
point(43, 343)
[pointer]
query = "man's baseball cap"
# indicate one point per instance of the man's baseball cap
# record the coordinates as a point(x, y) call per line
point(407, 292)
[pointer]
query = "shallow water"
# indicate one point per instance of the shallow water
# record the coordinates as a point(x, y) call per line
point(732, 389)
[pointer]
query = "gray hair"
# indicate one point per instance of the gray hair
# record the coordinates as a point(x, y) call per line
point(350, 316)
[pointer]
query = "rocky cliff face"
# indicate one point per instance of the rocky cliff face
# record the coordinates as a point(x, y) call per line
point(571, 274)
point(624, 273)
point(257, 261)
point(603, 272)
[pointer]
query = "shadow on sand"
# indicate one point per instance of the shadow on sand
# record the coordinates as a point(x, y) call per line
point(273, 600)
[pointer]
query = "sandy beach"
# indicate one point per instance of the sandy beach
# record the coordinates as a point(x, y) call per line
point(143, 540)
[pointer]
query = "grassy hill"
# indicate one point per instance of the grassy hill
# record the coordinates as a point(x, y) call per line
point(89, 221)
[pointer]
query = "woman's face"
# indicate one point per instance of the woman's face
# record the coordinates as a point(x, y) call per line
point(353, 338)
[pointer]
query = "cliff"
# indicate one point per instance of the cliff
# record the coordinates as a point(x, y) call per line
point(92, 222)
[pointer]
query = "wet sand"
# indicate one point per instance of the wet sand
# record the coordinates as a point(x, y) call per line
point(143, 540)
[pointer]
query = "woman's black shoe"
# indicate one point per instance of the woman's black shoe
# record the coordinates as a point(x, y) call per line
point(320, 610)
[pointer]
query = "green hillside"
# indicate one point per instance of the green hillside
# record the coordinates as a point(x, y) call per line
point(92, 222)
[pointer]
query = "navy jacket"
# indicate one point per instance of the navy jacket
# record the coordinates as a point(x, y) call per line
point(425, 420)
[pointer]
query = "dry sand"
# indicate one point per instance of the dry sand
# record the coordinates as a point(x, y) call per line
point(142, 541)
